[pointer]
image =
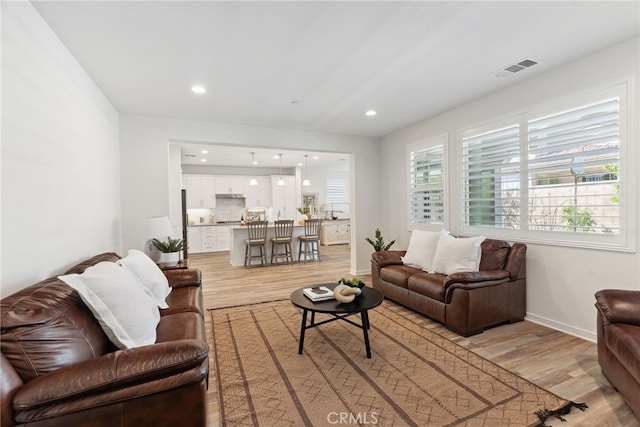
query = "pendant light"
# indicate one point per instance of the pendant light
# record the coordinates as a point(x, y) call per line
point(280, 181)
point(306, 181)
point(253, 180)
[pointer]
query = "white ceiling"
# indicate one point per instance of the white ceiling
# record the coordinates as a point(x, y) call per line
point(320, 65)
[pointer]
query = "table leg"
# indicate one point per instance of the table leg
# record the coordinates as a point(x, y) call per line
point(313, 318)
point(365, 330)
point(303, 327)
point(365, 319)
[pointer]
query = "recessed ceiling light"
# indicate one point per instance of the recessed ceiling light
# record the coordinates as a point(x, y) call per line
point(315, 157)
point(371, 113)
point(205, 151)
point(300, 164)
point(203, 160)
point(198, 89)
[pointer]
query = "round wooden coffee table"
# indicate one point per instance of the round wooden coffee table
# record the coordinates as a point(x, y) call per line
point(370, 298)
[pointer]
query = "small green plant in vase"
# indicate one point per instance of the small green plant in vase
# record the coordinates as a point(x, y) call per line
point(169, 250)
point(354, 283)
point(379, 244)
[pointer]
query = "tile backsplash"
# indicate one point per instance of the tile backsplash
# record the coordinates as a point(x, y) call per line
point(225, 210)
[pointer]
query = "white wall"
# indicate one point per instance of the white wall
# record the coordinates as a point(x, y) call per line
point(145, 169)
point(60, 156)
point(561, 281)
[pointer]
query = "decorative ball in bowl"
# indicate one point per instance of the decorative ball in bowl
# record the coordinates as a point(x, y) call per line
point(345, 294)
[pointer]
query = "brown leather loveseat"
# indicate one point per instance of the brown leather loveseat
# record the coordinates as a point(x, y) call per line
point(60, 369)
point(465, 302)
point(618, 334)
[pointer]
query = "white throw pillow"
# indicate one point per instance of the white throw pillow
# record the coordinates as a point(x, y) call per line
point(457, 255)
point(118, 301)
point(144, 269)
point(422, 248)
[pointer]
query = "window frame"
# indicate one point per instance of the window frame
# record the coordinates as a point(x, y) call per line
point(624, 241)
point(426, 144)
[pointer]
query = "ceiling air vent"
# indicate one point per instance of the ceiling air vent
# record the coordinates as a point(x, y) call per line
point(514, 68)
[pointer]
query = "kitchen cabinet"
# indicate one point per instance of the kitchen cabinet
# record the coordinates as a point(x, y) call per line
point(335, 233)
point(231, 184)
point(283, 197)
point(201, 192)
point(213, 238)
point(194, 240)
point(258, 195)
point(223, 238)
point(208, 239)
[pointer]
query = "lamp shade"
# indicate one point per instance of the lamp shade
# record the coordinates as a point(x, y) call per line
point(158, 226)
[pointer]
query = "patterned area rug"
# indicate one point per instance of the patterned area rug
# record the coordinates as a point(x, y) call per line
point(415, 376)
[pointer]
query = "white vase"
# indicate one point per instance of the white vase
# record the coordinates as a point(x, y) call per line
point(169, 259)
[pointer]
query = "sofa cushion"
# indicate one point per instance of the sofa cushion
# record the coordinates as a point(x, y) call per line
point(181, 326)
point(397, 274)
point(149, 274)
point(46, 327)
point(494, 254)
point(422, 249)
point(457, 255)
point(623, 341)
point(428, 284)
point(117, 299)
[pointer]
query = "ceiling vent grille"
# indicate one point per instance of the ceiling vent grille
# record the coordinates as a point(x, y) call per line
point(514, 68)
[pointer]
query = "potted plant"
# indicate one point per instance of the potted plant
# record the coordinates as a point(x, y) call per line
point(169, 250)
point(379, 244)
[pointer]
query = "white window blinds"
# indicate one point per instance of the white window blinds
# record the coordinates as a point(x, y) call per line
point(337, 191)
point(426, 163)
point(573, 169)
point(491, 177)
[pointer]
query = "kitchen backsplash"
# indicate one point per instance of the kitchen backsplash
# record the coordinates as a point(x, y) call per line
point(225, 210)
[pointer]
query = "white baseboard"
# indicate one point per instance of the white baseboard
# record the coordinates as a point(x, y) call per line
point(562, 327)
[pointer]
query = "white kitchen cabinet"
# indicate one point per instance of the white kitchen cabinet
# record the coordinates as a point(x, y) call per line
point(335, 233)
point(283, 197)
point(200, 191)
point(258, 195)
point(223, 239)
point(231, 184)
point(213, 238)
point(209, 240)
point(194, 240)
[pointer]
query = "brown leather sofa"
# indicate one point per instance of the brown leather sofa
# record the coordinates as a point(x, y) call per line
point(618, 334)
point(60, 369)
point(466, 302)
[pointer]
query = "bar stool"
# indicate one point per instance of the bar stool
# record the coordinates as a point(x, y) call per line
point(283, 231)
point(257, 233)
point(311, 240)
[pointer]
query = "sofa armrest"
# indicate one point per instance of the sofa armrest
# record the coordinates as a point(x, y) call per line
point(516, 263)
point(122, 369)
point(382, 258)
point(476, 277)
point(182, 277)
point(619, 306)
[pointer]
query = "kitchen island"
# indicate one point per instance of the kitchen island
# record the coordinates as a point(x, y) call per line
point(239, 235)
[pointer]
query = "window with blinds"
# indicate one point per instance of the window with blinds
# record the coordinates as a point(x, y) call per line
point(426, 163)
point(491, 177)
point(550, 172)
point(574, 158)
point(337, 191)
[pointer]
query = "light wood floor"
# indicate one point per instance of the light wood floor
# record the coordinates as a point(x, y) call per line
point(561, 363)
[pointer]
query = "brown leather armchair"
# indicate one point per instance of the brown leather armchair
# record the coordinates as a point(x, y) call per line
point(618, 334)
point(60, 369)
point(466, 302)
